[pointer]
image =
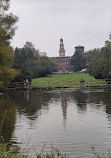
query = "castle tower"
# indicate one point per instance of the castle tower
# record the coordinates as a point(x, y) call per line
point(62, 50)
point(79, 49)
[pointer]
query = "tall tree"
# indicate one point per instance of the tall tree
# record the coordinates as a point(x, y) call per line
point(31, 63)
point(7, 30)
point(78, 61)
point(99, 64)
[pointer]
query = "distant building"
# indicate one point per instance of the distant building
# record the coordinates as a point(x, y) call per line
point(29, 45)
point(62, 50)
point(79, 49)
point(63, 62)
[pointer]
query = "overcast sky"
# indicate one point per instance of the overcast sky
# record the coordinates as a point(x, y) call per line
point(79, 22)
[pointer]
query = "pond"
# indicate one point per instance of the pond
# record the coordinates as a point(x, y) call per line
point(72, 120)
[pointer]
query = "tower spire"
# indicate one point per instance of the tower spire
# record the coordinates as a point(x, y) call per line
point(61, 50)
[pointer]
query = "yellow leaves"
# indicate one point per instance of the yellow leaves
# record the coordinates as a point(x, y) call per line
point(1, 84)
point(6, 55)
point(6, 58)
point(6, 75)
point(7, 30)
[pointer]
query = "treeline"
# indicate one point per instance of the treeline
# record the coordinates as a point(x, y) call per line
point(97, 62)
point(30, 63)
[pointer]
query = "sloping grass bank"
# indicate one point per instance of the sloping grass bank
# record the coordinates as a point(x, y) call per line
point(66, 80)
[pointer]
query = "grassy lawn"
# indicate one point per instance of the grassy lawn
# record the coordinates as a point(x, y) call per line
point(66, 80)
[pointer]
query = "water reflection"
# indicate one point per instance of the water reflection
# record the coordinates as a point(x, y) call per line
point(7, 117)
point(64, 99)
point(31, 101)
point(64, 95)
point(80, 98)
point(101, 97)
point(57, 104)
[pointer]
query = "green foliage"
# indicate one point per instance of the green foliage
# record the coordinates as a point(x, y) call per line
point(7, 22)
point(12, 152)
point(4, 153)
point(99, 64)
point(23, 62)
point(31, 64)
point(45, 66)
point(7, 30)
point(78, 61)
point(92, 54)
point(24, 73)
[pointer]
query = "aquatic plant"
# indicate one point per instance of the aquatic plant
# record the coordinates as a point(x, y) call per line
point(100, 155)
point(13, 152)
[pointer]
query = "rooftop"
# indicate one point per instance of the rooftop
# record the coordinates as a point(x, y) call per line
point(79, 46)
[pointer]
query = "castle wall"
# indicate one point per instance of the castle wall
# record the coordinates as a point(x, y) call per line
point(63, 64)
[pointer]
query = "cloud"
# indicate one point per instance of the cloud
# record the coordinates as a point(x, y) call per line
point(42, 22)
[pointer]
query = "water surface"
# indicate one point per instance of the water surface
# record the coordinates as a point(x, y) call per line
point(73, 120)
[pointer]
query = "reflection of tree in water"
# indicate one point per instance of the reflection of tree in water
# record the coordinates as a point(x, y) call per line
point(103, 97)
point(26, 102)
point(80, 97)
point(31, 102)
point(95, 97)
point(107, 102)
point(7, 111)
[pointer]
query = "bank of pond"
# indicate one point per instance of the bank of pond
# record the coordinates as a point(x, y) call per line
point(61, 81)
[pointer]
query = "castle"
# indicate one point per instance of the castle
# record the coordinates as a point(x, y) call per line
point(63, 61)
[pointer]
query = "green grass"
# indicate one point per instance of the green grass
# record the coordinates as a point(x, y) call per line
point(66, 80)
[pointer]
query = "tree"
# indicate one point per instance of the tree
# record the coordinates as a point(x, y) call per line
point(45, 66)
point(24, 60)
point(7, 30)
point(30, 46)
point(31, 63)
point(99, 64)
point(78, 61)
